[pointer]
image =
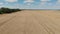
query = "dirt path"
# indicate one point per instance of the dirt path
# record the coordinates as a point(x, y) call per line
point(30, 22)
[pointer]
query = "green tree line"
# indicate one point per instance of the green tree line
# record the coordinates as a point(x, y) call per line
point(8, 10)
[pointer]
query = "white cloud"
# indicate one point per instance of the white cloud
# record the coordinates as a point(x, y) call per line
point(11, 0)
point(49, 4)
point(42, 3)
point(45, 0)
point(30, 1)
point(1, 6)
point(1, 3)
point(58, 1)
point(29, 4)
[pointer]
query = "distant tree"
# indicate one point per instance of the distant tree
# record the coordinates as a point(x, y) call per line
point(7, 10)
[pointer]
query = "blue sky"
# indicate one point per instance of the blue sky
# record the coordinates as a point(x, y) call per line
point(31, 4)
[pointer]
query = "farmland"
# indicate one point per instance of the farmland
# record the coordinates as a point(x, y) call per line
point(31, 22)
